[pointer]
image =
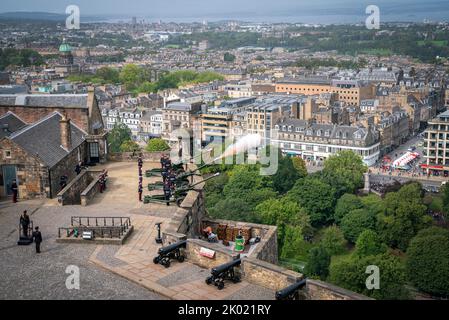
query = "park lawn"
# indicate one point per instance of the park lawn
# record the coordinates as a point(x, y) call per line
point(341, 257)
point(437, 43)
point(437, 204)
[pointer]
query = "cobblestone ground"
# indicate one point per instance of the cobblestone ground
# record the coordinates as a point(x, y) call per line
point(106, 271)
point(26, 275)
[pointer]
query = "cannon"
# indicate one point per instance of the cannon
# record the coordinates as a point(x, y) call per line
point(178, 195)
point(224, 272)
point(291, 292)
point(159, 185)
point(156, 172)
point(172, 251)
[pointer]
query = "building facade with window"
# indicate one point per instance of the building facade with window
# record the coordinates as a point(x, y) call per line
point(436, 145)
point(316, 142)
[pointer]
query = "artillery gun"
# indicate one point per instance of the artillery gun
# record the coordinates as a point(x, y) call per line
point(178, 195)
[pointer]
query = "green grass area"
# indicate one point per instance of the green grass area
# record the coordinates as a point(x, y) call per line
point(437, 43)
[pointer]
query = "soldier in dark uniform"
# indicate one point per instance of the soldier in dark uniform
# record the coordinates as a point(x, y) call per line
point(63, 181)
point(101, 182)
point(167, 192)
point(37, 236)
point(140, 190)
point(15, 190)
point(164, 174)
point(25, 223)
point(163, 159)
point(172, 179)
point(140, 162)
point(78, 168)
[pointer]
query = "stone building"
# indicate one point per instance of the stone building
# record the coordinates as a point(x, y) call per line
point(436, 145)
point(316, 142)
point(81, 109)
point(39, 154)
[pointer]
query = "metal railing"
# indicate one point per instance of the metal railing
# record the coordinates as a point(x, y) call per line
point(101, 227)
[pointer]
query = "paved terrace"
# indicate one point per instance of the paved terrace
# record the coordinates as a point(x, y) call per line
point(106, 271)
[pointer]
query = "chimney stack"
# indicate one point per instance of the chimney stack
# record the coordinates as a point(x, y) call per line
point(66, 133)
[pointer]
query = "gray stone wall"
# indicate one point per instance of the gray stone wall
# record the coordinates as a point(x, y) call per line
point(268, 275)
point(66, 167)
point(71, 194)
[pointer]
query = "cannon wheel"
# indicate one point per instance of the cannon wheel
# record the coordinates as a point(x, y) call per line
point(181, 258)
point(156, 260)
point(166, 263)
point(209, 280)
point(220, 285)
point(179, 201)
point(236, 279)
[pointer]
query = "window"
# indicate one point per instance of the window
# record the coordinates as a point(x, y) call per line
point(7, 154)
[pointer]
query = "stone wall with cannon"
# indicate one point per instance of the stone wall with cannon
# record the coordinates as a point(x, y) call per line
point(258, 265)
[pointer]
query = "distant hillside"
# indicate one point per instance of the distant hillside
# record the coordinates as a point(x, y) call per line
point(32, 16)
point(44, 16)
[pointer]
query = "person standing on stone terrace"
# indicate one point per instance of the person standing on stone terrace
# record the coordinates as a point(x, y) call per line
point(78, 168)
point(140, 190)
point(37, 236)
point(25, 223)
point(15, 190)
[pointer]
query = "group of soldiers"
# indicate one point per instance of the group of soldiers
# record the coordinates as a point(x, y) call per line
point(168, 177)
point(140, 189)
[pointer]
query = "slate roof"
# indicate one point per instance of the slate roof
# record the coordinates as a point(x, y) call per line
point(10, 123)
point(45, 100)
point(13, 89)
point(43, 139)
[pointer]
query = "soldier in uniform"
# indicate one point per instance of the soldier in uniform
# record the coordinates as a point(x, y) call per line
point(37, 236)
point(167, 192)
point(164, 174)
point(140, 190)
point(101, 182)
point(15, 190)
point(163, 159)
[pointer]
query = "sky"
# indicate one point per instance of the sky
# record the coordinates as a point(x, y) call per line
point(404, 10)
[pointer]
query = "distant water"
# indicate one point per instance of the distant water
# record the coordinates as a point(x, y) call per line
point(337, 12)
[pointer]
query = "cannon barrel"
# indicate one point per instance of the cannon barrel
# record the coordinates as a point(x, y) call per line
point(225, 267)
point(291, 289)
point(172, 247)
point(190, 187)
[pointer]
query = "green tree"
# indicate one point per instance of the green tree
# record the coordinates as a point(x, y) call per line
point(118, 135)
point(357, 221)
point(445, 195)
point(369, 244)
point(283, 213)
point(318, 263)
point(404, 215)
point(428, 261)
point(333, 240)
point(286, 175)
point(157, 145)
point(300, 166)
point(132, 76)
point(294, 246)
point(229, 57)
point(347, 203)
point(316, 197)
point(351, 274)
point(129, 146)
point(349, 166)
point(109, 75)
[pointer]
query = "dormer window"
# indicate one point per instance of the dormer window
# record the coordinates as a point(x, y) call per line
point(345, 135)
point(290, 128)
point(338, 134)
point(318, 133)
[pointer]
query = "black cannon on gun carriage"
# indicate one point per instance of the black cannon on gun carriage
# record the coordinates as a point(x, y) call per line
point(292, 291)
point(177, 196)
point(224, 272)
point(172, 251)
